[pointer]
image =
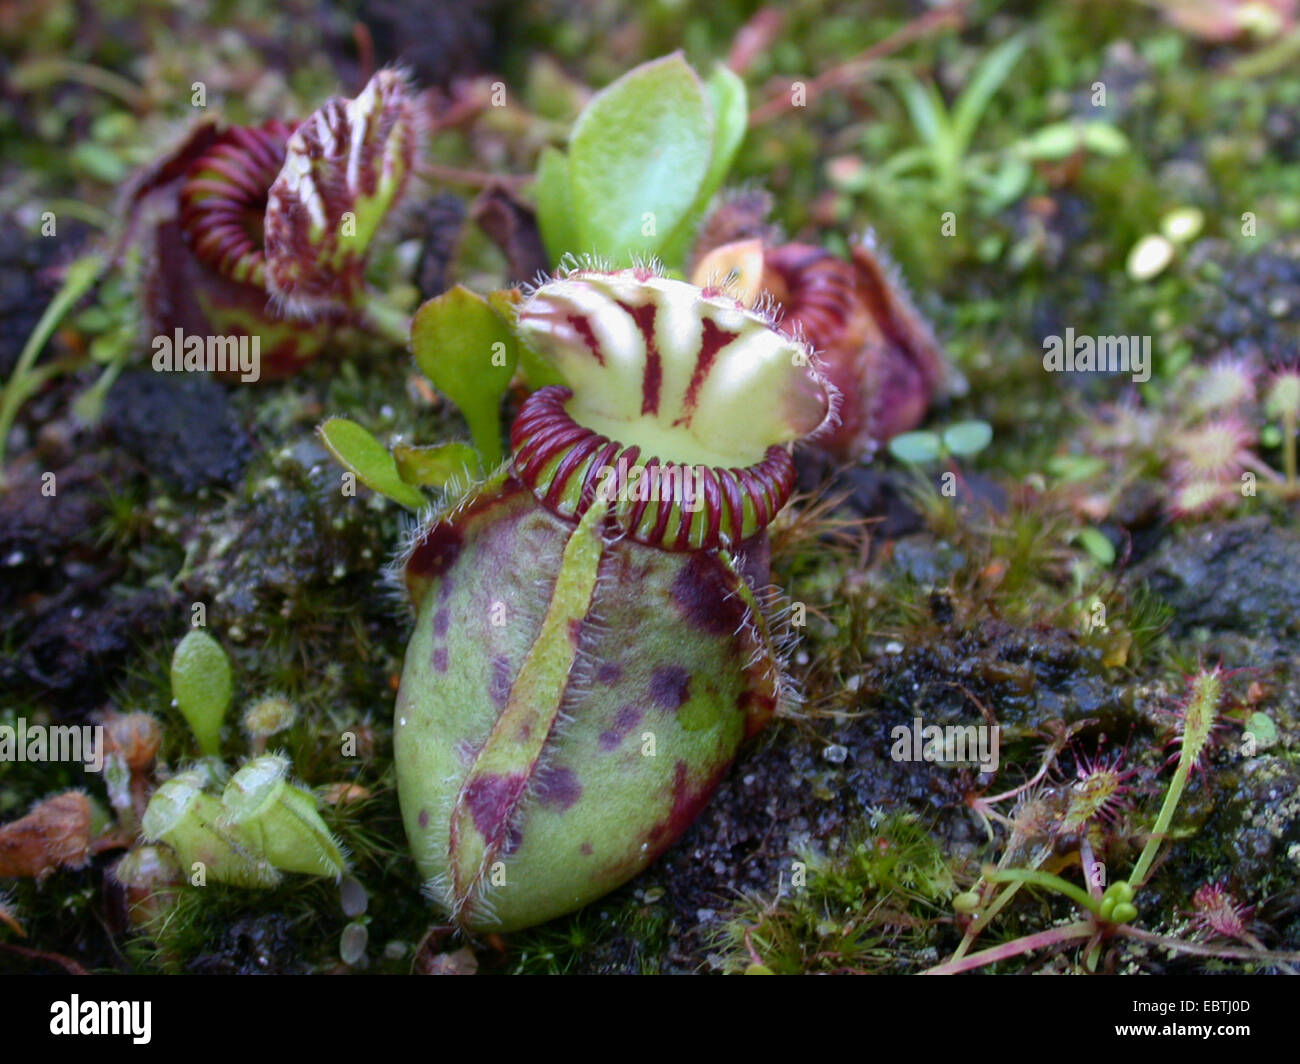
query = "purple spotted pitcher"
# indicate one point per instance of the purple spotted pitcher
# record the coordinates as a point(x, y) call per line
point(595, 634)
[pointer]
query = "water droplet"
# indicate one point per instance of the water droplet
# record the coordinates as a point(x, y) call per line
point(353, 897)
point(1149, 256)
point(352, 944)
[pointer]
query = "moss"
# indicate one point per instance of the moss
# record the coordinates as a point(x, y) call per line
point(627, 933)
point(877, 905)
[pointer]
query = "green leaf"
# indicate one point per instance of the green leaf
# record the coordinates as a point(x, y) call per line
point(99, 161)
point(1104, 139)
point(555, 204)
point(88, 407)
point(346, 167)
point(967, 437)
point(1006, 185)
point(1060, 140)
point(468, 351)
point(1261, 726)
point(437, 466)
point(203, 686)
point(916, 447)
point(984, 83)
point(925, 109)
point(538, 372)
point(1095, 543)
point(638, 158)
point(1183, 224)
point(903, 162)
point(730, 120)
point(369, 459)
point(730, 106)
point(81, 274)
point(1072, 468)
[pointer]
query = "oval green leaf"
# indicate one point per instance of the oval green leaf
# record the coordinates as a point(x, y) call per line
point(638, 158)
point(437, 466)
point(468, 351)
point(967, 437)
point(1261, 726)
point(730, 104)
point(916, 447)
point(203, 685)
point(555, 204)
point(369, 459)
point(1095, 543)
point(1072, 468)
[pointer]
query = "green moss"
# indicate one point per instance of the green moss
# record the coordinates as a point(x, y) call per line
point(877, 905)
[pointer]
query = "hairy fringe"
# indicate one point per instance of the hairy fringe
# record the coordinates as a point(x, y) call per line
point(952, 382)
point(569, 266)
point(773, 632)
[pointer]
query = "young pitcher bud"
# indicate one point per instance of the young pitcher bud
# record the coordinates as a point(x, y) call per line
point(280, 819)
point(263, 232)
point(591, 645)
point(150, 876)
point(190, 822)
